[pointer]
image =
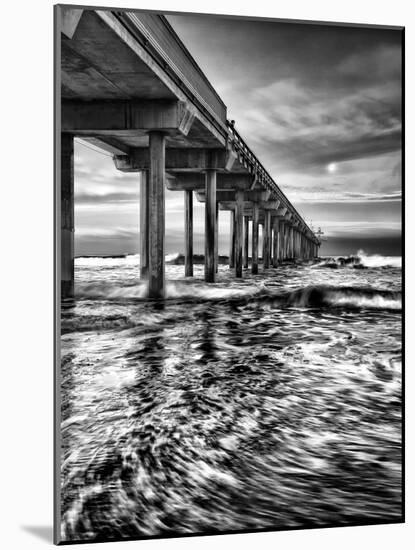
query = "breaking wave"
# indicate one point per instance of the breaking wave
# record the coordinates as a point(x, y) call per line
point(376, 260)
point(347, 297)
point(361, 260)
point(174, 291)
point(311, 296)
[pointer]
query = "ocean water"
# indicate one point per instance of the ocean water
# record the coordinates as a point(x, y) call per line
point(268, 402)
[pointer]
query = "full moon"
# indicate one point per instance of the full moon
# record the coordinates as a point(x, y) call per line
point(332, 167)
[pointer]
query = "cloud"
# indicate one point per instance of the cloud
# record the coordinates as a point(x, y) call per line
point(305, 128)
point(362, 228)
point(303, 97)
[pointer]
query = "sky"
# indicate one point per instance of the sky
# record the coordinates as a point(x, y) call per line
point(321, 108)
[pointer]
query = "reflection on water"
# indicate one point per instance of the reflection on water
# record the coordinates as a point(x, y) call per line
point(230, 406)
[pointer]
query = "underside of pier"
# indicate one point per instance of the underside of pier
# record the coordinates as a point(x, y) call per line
point(127, 84)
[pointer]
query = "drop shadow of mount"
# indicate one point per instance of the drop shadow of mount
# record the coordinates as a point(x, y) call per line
point(43, 532)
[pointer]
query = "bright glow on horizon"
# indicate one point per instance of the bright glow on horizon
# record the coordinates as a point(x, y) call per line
point(332, 167)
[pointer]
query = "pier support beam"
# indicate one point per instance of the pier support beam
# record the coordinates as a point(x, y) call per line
point(275, 251)
point(284, 241)
point(246, 241)
point(280, 240)
point(291, 242)
point(239, 232)
point(210, 226)
point(295, 245)
point(267, 238)
point(217, 239)
point(188, 231)
point(143, 224)
point(67, 217)
point(232, 239)
point(255, 216)
point(156, 215)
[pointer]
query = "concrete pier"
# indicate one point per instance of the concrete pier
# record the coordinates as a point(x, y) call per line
point(156, 215)
point(239, 233)
point(231, 239)
point(188, 232)
point(246, 241)
point(217, 239)
point(144, 225)
point(275, 243)
point(255, 232)
point(67, 216)
point(267, 239)
point(210, 226)
point(171, 127)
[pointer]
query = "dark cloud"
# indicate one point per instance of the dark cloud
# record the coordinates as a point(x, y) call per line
point(306, 94)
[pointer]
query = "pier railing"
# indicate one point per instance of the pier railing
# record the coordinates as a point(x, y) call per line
point(251, 162)
point(156, 35)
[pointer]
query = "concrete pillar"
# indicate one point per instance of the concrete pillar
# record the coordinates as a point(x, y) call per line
point(295, 235)
point(217, 239)
point(232, 239)
point(255, 216)
point(188, 233)
point(285, 241)
point(296, 244)
point(144, 224)
point(210, 226)
point(239, 232)
point(67, 217)
point(246, 241)
point(156, 215)
point(291, 242)
point(267, 238)
point(275, 251)
point(280, 240)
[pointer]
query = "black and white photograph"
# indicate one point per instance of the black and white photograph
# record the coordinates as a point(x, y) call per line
point(228, 274)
